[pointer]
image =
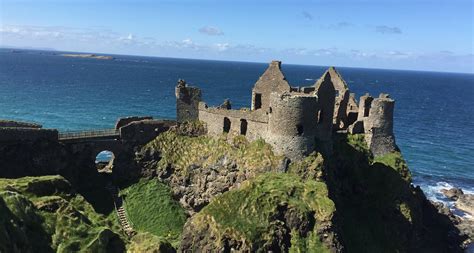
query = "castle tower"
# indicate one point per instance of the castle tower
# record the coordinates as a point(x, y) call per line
point(378, 126)
point(272, 80)
point(292, 123)
point(187, 102)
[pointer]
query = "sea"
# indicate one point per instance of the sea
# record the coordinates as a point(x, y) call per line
point(434, 112)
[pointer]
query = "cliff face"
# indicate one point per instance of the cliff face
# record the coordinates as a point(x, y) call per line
point(219, 194)
point(378, 209)
point(229, 195)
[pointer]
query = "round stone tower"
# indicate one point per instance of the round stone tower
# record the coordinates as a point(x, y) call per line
point(292, 123)
point(379, 126)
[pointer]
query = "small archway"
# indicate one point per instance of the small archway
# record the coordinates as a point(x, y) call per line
point(243, 126)
point(104, 161)
point(226, 127)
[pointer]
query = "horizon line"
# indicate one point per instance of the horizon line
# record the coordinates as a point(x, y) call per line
point(241, 61)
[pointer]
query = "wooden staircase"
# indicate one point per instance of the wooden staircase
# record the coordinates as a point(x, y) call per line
point(120, 210)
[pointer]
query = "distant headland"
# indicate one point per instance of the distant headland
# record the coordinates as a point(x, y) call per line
point(93, 56)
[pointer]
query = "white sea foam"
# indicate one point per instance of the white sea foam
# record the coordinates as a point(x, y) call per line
point(433, 192)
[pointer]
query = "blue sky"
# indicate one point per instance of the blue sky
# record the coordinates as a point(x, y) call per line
point(403, 34)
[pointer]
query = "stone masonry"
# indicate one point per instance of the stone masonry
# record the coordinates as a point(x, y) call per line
point(295, 120)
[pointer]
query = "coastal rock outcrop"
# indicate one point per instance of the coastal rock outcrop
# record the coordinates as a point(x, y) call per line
point(453, 193)
point(272, 212)
point(199, 168)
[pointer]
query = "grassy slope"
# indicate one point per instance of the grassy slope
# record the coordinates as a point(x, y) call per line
point(151, 209)
point(42, 214)
point(246, 213)
point(183, 151)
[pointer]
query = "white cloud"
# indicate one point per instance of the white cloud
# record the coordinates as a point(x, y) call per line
point(211, 31)
point(222, 46)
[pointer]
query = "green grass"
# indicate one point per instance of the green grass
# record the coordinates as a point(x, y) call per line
point(247, 214)
point(151, 209)
point(43, 214)
point(183, 151)
point(311, 167)
point(395, 160)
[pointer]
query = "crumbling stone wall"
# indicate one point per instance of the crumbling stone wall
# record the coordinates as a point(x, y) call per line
point(257, 121)
point(187, 102)
point(140, 132)
point(127, 120)
point(272, 80)
point(352, 110)
point(14, 123)
point(365, 103)
point(341, 97)
point(326, 95)
point(16, 134)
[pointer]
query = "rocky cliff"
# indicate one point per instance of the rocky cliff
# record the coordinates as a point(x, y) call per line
point(187, 192)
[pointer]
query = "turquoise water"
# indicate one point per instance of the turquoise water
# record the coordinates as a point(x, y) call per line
point(434, 114)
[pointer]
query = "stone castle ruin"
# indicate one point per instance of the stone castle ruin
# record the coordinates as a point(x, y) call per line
point(295, 120)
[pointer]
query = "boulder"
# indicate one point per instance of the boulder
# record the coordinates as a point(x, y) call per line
point(453, 193)
point(465, 203)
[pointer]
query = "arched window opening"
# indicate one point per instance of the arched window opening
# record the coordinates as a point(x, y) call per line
point(258, 101)
point(243, 127)
point(226, 125)
point(299, 130)
point(104, 161)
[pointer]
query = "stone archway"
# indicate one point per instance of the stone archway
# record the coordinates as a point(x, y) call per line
point(104, 161)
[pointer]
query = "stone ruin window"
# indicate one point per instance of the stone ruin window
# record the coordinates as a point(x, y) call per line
point(226, 127)
point(367, 106)
point(299, 130)
point(320, 116)
point(337, 93)
point(258, 101)
point(243, 127)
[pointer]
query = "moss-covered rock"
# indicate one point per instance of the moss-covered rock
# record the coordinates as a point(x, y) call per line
point(43, 214)
point(199, 168)
point(146, 242)
point(266, 213)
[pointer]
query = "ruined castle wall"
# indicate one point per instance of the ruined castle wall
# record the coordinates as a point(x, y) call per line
point(272, 80)
point(18, 134)
point(127, 120)
point(13, 123)
point(255, 122)
point(378, 126)
point(143, 131)
point(364, 106)
point(326, 96)
point(187, 103)
point(341, 97)
point(352, 110)
point(292, 124)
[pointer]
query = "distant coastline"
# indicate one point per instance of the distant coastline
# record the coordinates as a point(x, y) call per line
point(93, 56)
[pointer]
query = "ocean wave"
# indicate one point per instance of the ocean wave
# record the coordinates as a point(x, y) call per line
point(433, 193)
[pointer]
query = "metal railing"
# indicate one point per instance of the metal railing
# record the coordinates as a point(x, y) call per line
point(69, 135)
